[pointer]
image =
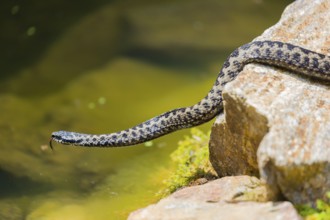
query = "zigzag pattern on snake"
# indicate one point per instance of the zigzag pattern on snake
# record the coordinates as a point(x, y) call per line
point(274, 53)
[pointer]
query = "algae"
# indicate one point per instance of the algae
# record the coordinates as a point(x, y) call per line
point(191, 160)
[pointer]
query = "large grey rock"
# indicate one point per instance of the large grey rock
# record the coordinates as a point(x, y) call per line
point(277, 124)
point(224, 198)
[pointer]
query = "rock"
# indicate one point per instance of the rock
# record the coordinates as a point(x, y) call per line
point(230, 189)
point(276, 123)
point(218, 199)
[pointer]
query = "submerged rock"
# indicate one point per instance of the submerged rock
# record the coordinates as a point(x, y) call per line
point(10, 211)
point(226, 198)
point(276, 123)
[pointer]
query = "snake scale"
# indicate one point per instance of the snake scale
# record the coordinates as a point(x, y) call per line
point(284, 55)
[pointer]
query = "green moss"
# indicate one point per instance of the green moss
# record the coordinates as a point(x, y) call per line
point(191, 160)
point(321, 212)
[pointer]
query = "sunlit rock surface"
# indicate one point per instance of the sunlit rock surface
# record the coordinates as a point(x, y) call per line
point(276, 121)
point(226, 198)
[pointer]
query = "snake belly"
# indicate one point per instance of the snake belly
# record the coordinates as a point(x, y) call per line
point(291, 57)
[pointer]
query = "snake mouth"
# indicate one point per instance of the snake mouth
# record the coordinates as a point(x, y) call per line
point(55, 138)
point(58, 139)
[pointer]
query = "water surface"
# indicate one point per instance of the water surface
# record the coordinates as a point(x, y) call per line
point(99, 67)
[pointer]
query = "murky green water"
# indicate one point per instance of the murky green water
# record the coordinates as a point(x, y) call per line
point(99, 67)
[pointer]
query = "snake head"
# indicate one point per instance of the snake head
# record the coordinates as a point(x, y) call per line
point(65, 137)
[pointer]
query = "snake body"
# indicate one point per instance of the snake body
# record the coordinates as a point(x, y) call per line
point(274, 53)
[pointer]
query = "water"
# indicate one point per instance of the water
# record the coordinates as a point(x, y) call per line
point(100, 67)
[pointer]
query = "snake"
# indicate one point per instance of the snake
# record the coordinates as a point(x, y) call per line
point(283, 55)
